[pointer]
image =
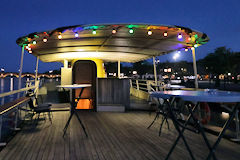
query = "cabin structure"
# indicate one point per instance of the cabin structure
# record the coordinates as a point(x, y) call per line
point(83, 49)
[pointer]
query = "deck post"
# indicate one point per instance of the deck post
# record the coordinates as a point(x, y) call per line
point(194, 67)
point(155, 72)
point(36, 70)
point(20, 70)
point(119, 68)
point(65, 63)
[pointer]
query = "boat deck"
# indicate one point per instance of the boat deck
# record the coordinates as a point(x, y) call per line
point(112, 136)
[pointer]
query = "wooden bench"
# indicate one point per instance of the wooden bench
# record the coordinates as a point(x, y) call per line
point(8, 107)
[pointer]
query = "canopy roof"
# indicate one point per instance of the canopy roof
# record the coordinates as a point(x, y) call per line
point(130, 42)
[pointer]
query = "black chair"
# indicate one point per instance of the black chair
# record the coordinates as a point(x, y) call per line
point(41, 108)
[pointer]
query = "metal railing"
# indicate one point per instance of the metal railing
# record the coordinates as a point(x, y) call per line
point(11, 117)
point(147, 85)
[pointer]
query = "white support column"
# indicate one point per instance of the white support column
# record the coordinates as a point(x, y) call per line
point(155, 72)
point(65, 63)
point(119, 69)
point(36, 70)
point(20, 70)
point(195, 67)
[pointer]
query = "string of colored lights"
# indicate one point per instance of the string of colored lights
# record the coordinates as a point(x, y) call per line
point(192, 38)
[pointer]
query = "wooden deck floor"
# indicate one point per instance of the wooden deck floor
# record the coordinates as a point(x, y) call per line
point(112, 136)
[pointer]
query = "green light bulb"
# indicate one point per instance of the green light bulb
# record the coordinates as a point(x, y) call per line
point(131, 31)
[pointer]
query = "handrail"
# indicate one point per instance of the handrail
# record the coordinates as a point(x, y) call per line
point(149, 84)
point(16, 91)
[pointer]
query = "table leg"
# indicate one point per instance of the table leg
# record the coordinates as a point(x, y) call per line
point(67, 124)
point(81, 124)
point(157, 115)
point(200, 128)
point(73, 111)
point(179, 131)
point(232, 114)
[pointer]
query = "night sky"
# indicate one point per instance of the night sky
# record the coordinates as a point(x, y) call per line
point(219, 19)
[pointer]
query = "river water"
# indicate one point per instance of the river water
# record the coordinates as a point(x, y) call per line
point(11, 83)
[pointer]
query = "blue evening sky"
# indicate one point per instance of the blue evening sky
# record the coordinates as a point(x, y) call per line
point(219, 19)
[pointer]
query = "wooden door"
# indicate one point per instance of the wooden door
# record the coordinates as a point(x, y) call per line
point(85, 72)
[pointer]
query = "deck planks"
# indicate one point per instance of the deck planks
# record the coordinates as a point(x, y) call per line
point(112, 136)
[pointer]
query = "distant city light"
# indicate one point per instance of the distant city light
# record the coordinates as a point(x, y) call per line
point(225, 115)
point(2, 69)
point(50, 71)
point(186, 49)
point(229, 74)
point(134, 72)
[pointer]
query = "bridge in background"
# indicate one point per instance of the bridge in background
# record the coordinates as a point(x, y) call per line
point(9, 74)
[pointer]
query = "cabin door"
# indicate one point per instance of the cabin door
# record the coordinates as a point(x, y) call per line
point(85, 72)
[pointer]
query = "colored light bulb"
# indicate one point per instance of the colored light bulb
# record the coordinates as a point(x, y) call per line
point(59, 36)
point(149, 32)
point(131, 31)
point(76, 34)
point(165, 34)
point(45, 40)
point(34, 42)
point(114, 31)
point(179, 36)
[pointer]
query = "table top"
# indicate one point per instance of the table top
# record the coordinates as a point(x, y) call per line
point(199, 96)
point(74, 86)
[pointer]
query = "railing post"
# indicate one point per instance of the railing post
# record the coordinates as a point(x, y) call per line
point(148, 86)
point(137, 84)
point(130, 80)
